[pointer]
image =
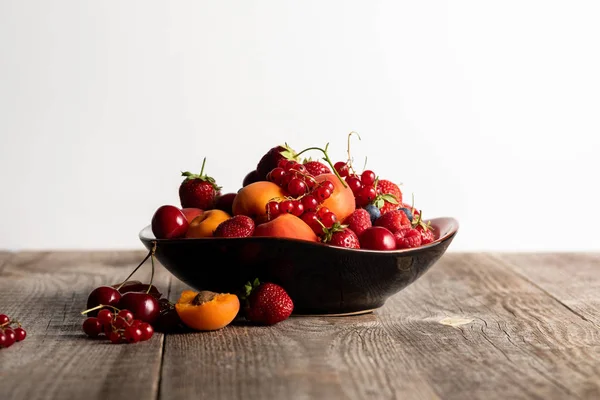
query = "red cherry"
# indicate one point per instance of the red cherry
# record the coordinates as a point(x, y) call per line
point(310, 203)
point(132, 334)
point(224, 203)
point(276, 175)
point(143, 306)
point(296, 187)
point(312, 220)
point(106, 295)
point(377, 238)
point(169, 222)
point(3, 339)
point(251, 177)
point(105, 317)
point(147, 331)
point(322, 211)
point(92, 327)
point(20, 334)
point(298, 208)
point(322, 193)
point(286, 206)
point(342, 168)
point(273, 208)
point(328, 219)
point(10, 337)
point(368, 177)
point(4, 319)
point(354, 183)
point(329, 185)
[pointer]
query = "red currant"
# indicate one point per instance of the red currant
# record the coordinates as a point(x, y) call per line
point(310, 203)
point(290, 164)
point(329, 185)
point(3, 339)
point(136, 323)
point(368, 193)
point(300, 168)
point(10, 337)
point(273, 208)
point(124, 319)
point(312, 220)
point(285, 180)
point(286, 206)
point(147, 331)
point(328, 219)
point(105, 317)
point(322, 211)
point(115, 337)
point(368, 177)
point(20, 334)
point(4, 319)
point(310, 182)
point(298, 208)
point(276, 175)
point(282, 163)
point(322, 193)
point(342, 168)
point(354, 183)
point(296, 187)
point(92, 327)
point(132, 334)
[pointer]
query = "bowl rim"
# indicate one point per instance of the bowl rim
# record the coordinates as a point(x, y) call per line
point(452, 222)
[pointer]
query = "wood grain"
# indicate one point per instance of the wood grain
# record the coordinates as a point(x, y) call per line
point(46, 292)
point(573, 279)
point(521, 343)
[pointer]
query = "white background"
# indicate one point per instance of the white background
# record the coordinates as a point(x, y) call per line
point(486, 111)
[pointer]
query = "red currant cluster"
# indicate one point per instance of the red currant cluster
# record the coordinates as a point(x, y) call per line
point(8, 334)
point(118, 328)
point(364, 186)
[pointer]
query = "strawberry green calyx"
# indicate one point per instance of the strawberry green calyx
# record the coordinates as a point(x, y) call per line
point(248, 288)
point(288, 153)
point(326, 159)
point(328, 232)
point(190, 176)
point(382, 198)
point(418, 221)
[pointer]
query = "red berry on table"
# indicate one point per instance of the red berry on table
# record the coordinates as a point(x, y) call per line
point(198, 190)
point(169, 222)
point(316, 168)
point(20, 334)
point(106, 295)
point(115, 337)
point(322, 193)
point(408, 238)
point(358, 221)
point(237, 226)
point(268, 304)
point(354, 183)
point(342, 168)
point(92, 327)
point(310, 203)
point(105, 317)
point(328, 219)
point(10, 337)
point(142, 305)
point(4, 319)
point(132, 334)
point(296, 187)
point(377, 238)
point(272, 209)
point(394, 220)
point(286, 206)
point(3, 339)
point(298, 208)
point(147, 331)
point(368, 178)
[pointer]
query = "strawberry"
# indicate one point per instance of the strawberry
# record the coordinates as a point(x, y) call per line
point(358, 221)
point(238, 226)
point(407, 238)
point(272, 158)
point(394, 221)
point(316, 168)
point(341, 236)
point(425, 229)
point(389, 196)
point(198, 190)
point(267, 303)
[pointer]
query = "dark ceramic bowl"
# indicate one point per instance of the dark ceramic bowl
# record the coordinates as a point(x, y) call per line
point(320, 279)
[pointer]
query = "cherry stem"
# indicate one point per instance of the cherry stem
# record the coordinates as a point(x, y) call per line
point(150, 253)
point(327, 159)
point(99, 307)
point(152, 263)
point(202, 168)
point(350, 167)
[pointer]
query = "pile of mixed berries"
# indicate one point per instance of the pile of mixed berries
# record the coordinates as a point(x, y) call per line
point(11, 331)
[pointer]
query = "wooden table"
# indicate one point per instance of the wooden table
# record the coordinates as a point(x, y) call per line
point(475, 326)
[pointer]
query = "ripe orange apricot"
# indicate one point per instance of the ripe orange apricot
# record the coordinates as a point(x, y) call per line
point(342, 202)
point(205, 224)
point(252, 200)
point(207, 311)
point(288, 226)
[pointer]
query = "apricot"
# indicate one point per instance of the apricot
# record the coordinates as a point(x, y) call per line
point(342, 202)
point(287, 226)
point(207, 311)
point(205, 224)
point(252, 200)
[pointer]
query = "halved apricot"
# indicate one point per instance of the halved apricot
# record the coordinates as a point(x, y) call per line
point(207, 311)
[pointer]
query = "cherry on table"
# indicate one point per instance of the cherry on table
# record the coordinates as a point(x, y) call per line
point(169, 222)
point(106, 295)
point(143, 306)
point(10, 337)
point(20, 334)
point(147, 331)
point(4, 319)
point(92, 327)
